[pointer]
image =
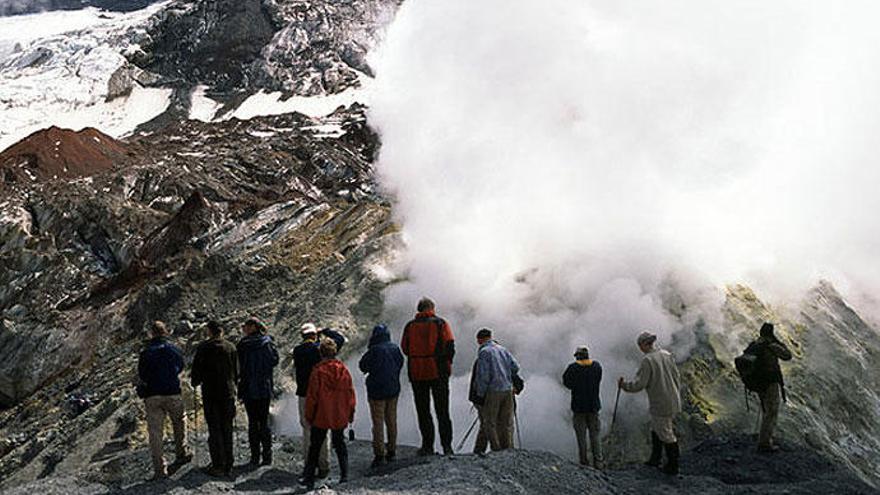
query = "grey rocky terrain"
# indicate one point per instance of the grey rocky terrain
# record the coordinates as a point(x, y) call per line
point(721, 466)
point(294, 46)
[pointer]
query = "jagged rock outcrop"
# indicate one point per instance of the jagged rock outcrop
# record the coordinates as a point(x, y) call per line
point(320, 47)
point(207, 41)
point(298, 47)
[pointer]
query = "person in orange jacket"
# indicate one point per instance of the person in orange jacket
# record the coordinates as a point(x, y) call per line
point(430, 346)
point(330, 404)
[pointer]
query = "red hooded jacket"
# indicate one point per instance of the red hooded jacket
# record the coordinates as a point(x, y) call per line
point(430, 346)
point(330, 399)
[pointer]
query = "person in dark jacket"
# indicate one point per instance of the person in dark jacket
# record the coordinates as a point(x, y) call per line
point(215, 368)
point(257, 358)
point(769, 351)
point(336, 337)
point(429, 346)
point(305, 356)
point(583, 378)
point(330, 406)
point(382, 363)
point(159, 367)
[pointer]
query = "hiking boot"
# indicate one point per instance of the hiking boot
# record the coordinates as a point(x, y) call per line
point(159, 476)
point(768, 449)
point(656, 451)
point(183, 459)
point(425, 452)
point(215, 472)
point(447, 450)
point(672, 454)
point(267, 459)
point(378, 461)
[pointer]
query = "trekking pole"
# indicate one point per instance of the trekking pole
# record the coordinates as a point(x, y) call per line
point(516, 420)
point(468, 434)
point(616, 402)
point(196, 425)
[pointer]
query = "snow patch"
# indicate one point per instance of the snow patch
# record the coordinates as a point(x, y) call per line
point(202, 107)
point(261, 134)
point(264, 104)
point(326, 131)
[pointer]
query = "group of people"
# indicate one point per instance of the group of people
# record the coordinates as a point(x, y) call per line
point(327, 399)
point(223, 371)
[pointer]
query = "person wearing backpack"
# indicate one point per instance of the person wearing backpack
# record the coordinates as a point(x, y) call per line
point(583, 378)
point(382, 364)
point(429, 346)
point(659, 377)
point(767, 381)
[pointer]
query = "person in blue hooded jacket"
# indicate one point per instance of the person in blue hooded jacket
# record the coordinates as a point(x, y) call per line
point(257, 358)
point(382, 363)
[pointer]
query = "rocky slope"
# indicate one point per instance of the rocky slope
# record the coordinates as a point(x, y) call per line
point(272, 217)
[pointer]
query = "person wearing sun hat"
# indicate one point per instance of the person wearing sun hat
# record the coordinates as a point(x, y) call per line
point(658, 376)
point(305, 356)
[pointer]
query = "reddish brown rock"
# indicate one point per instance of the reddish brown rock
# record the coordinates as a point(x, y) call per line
point(56, 153)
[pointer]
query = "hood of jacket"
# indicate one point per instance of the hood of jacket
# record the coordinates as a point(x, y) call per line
point(333, 368)
point(380, 335)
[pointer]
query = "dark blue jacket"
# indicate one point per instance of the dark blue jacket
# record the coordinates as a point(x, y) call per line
point(382, 364)
point(257, 357)
point(159, 365)
point(583, 381)
point(305, 357)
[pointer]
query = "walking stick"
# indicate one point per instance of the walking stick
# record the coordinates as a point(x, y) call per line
point(196, 425)
point(468, 434)
point(616, 402)
point(516, 420)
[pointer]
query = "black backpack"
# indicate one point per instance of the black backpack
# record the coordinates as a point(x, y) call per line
point(748, 365)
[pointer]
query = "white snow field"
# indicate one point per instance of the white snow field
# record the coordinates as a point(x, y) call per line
point(56, 67)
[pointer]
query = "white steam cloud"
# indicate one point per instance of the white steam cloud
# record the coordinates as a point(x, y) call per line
point(563, 169)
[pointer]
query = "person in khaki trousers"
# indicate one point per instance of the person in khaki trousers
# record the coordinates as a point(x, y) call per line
point(159, 367)
point(382, 363)
point(492, 393)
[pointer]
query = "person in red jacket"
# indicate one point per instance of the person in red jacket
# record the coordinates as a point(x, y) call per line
point(330, 403)
point(430, 346)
